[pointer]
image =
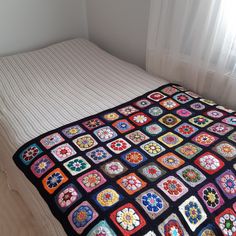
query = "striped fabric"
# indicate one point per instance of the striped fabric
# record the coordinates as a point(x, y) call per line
point(48, 88)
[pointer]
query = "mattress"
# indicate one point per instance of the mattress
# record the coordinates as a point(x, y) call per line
point(48, 88)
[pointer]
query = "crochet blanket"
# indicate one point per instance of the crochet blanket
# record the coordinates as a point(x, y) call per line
point(161, 164)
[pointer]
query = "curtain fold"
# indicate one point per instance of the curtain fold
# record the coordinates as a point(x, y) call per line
point(193, 43)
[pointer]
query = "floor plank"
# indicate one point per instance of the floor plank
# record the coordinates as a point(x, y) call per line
point(15, 218)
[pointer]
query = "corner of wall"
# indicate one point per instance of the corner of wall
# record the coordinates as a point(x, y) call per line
point(85, 18)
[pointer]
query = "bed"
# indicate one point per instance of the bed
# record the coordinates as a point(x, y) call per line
point(113, 150)
point(45, 89)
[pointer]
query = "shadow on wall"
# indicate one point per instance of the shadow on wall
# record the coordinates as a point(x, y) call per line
point(31, 24)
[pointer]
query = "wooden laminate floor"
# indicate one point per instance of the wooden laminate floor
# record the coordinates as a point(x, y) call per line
point(15, 218)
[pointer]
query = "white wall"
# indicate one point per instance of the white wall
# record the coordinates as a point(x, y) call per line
point(120, 27)
point(31, 24)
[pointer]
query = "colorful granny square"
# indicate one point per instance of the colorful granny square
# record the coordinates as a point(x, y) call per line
point(114, 168)
point(137, 137)
point(152, 148)
point(85, 142)
point(169, 104)
point(107, 198)
point(29, 153)
point(193, 212)
point(76, 165)
point(204, 139)
point(208, 230)
point(102, 228)
point(72, 131)
point(209, 163)
point(172, 226)
point(91, 180)
point(226, 222)
point(123, 126)
point(169, 120)
point(234, 206)
point(82, 216)
point(182, 98)
point(170, 161)
point(140, 119)
point(153, 129)
point(226, 150)
point(127, 219)
point(155, 111)
point(184, 112)
point(119, 145)
point(181, 88)
point(227, 183)
point(128, 110)
point(143, 103)
point(98, 155)
point(151, 171)
point(220, 128)
point(105, 133)
point(231, 120)
point(54, 180)
point(186, 130)
point(92, 124)
point(192, 94)
point(41, 166)
point(112, 116)
point(173, 188)
point(156, 96)
point(63, 152)
point(67, 197)
point(169, 90)
point(200, 121)
point(133, 157)
point(215, 114)
point(208, 102)
point(51, 140)
point(211, 197)
point(188, 150)
point(191, 175)
point(131, 183)
point(232, 137)
point(150, 233)
point(170, 139)
point(152, 202)
point(225, 109)
point(197, 106)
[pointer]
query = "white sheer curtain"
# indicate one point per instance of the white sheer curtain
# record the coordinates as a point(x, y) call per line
point(193, 43)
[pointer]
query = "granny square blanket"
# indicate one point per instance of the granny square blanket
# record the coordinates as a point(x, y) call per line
point(161, 164)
